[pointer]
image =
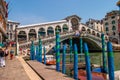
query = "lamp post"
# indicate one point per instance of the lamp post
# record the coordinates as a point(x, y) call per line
point(118, 4)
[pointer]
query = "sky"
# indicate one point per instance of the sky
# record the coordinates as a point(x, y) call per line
point(38, 11)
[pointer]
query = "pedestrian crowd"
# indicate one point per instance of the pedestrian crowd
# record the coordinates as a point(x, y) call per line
point(4, 55)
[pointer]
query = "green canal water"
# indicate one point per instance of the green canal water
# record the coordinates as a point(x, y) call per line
point(95, 58)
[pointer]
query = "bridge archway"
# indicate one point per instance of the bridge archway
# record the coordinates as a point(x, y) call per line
point(41, 32)
point(22, 36)
point(65, 28)
point(58, 27)
point(32, 34)
point(83, 28)
point(93, 32)
point(50, 31)
point(88, 31)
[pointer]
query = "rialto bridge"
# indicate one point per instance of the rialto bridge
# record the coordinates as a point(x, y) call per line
point(46, 31)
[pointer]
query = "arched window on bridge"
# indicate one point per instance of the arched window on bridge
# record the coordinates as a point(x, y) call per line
point(93, 32)
point(58, 27)
point(88, 31)
point(41, 32)
point(32, 34)
point(50, 31)
point(22, 36)
point(83, 29)
point(65, 28)
point(98, 35)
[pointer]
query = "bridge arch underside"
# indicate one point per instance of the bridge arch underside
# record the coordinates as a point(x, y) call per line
point(92, 45)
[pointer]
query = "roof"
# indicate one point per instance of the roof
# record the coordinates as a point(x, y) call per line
point(38, 24)
point(10, 21)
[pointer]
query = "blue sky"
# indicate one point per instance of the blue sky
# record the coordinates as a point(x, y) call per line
point(38, 11)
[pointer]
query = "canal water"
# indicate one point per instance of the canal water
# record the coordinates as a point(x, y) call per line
point(95, 58)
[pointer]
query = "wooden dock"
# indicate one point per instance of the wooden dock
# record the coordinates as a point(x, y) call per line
point(47, 72)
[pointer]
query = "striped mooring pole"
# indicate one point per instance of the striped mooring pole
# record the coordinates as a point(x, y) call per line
point(37, 52)
point(32, 51)
point(104, 60)
point(81, 49)
point(44, 55)
point(64, 59)
point(87, 60)
point(70, 50)
point(40, 50)
point(57, 51)
point(75, 62)
point(110, 61)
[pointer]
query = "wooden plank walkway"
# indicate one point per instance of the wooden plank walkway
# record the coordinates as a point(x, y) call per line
point(47, 73)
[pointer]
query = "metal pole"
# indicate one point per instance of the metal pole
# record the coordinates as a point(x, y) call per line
point(103, 54)
point(64, 60)
point(44, 55)
point(70, 50)
point(16, 42)
point(75, 62)
point(87, 60)
point(110, 61)
point(57, 51)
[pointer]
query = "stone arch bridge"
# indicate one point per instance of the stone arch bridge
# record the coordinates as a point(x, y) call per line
point(67, 27)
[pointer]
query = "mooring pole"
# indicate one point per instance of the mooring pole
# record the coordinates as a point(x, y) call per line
point(110, 61)
point(32, 51)
point(57, 51)
point(40, 50)
point(81, 49)
point(44, 55)
point(104, 60)
point(70, 50)
point(87, 60)
point(75, 62)
point(64, 60)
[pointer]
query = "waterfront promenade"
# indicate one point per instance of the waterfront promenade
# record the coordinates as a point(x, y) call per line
point(17, 69)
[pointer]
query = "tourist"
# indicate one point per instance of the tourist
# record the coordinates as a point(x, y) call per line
point(11, 54)
point(2, 58)
point(6, 52)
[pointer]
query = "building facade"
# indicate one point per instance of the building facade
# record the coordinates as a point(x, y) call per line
point(95, 24)
point(110, 23)
point(3, 20)
point(11, 28)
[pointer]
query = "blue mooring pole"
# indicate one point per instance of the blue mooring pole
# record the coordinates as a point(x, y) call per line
point(36, 55)
point(81, 49)
point(57, 51)
point(87, 60)
point(64, 59)
point(44, 55)
point(110, 61)
point(75, 62)
point(103, 54)
point(40, 50)
point(70, 50)
point(32, 51)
